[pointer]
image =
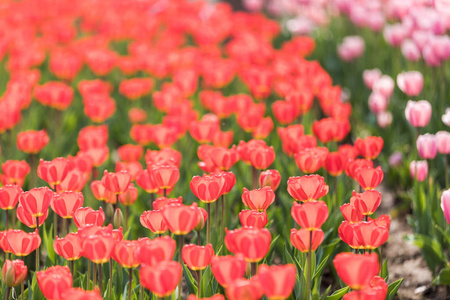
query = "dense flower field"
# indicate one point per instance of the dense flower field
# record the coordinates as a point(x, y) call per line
point(178, 149)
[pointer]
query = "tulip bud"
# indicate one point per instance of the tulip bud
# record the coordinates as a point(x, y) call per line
point(9, 277)
point(109, 210)
point(118, 218)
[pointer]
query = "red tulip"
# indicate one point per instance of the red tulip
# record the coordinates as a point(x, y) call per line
point(270, 178)
point(356, 164)
point(129, 196)
point(215, 297)
point(181, 219)
point(203, 131)
point(330, 129)
point(26, 218)
point(65, 63)
point(98, 248)
point(208, 188)
point(335, 163)
point(363, 235)
point(277, 281)
point(135, 88)
point(285, 111)
point(369, 147)
point(310, 215)
point(130, 152)
point(302, 238)
point(161, 279)
point(160, 202)
point(4, 245)
point(74, 181)
point(259, 199)
point(53, 171)
point(126, 253)
point(66, 203)
point(356, 270)
point(137, 115)
point(133, 168)
point(223, 138)
point(80, 294)
point(32, 141)
point(351, 213)
point(54, 94)
point(307, 188)
point(163, 157)
point(145, 180)
point(14, 272)
point(22, 243)
point(251, 218)
point(262, 157)
point(311, 159)
point(227, 269)
point(153, 220)
point(116, 183)
point(101, 193)
point(197, 257)
point(369, 178)
point(245, 289)
point(68, 247)
point(252, 243)
point(244, 149)
point(165, 176)
point(224, 158)
point(9, 196)
point(54, 282)
point(14, 172)
point(152, 252)
point(98, 155)
point(265, 126)
point(349, 151)
point(230, 181)
point(366, 202)
point(302, 99)
point(84, 216)
point(36, 201)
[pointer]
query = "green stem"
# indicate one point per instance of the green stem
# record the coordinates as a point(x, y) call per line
point(37, 249)
point(180, 260)
point(336, 204)
point(254, 178)
point(130, 281)
point(7, 219)
point(208, 225)
point(22, 289)
point(199, 239)
point(8, 292)
point(254, 267)
point(308, 267)
point(94, 276)
point(127, 214)
point(446, 170)
point(100, 278)
point(217, 214)
point(222, 222)
point(110, 278)
point(88, 283)
point(199, 283)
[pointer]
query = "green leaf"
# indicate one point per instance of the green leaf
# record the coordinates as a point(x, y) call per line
point(431, 249)
point(190, 281)
point(384, 271)
point(443, 277)
point(393, 288)
point(270, 253)
point(320, 268)
point(325, 294)
point(338, 294)
point(48, 241)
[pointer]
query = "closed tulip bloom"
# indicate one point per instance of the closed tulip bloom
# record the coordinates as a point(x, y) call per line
point(197, 257)
point(203, 216)
point(69, 246)
point(443, 142)
point(128, 197)
point(66, 203)
point(418, 170)
point(153, 220)
point(32, 141)
point(208, 188)
point(230, 181)
point(9, 196)
point(74, 181)
point(356, 164)
point(410, 50)
point(98, 248)
point(126, 253)
point(378, 103)
point(351, 48)
point(116, 183)
point(445, 204)
point(22, 243)
point(335, 163)
point(351, 213)
point(36, 201)
point(311, 160)
point(152, 252)
point(370, 235)
point(410, 83)
point(369, 147)
point(181, 219)
point(370, 77)
point(80, 294)
point(160, 202)
point(259, 199)
point(369, 178)
point(15, 171)
point(270, 178)
point(418, 113)
point(101, 193)
point(302, 238)
point(53, 171)
point(426, 146)
point(262, 157)
point(129, 152)
point(165, 176)
point(366, 202)
point(252, 243)
point(356, 270)
point(203, 131)
point(330, 129)
point(133, 168)
point(227, 269)
point(307, 188)
point(224, 158)
point(54, 282)
point(145, 180)
point(161, 279)
point(251, 218)
point(84, 216)
point(14, 272)
point(310, 215)
point(277, 281)
point(262, 131)
point(249, 289)
point(26, 218)
point(285, 111)
point(446, 117)
point(349, 151)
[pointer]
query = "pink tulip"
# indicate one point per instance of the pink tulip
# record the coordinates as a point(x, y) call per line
point(420, 38)
point(443, 142)
point(445, 204)
point(418, 113)
point(385, 86)
point(396, 159)
point(410, 83)
point(395, 34)
point(430, 56)
point(351, 48)
point(384, 119)
point(441, 46)
point(371, 76)
point(410, 50)
point(446, 117)
point(253, 5)
point(375, 20)
point(422, 169)
point(426, 145)
point(377, 103)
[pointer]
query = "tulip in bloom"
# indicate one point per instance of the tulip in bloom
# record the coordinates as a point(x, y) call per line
point(66, 203)
point(307, 188)
point(310, 215)
point(153, 220)
point(145, 180)
point(410, 83)
point(165, 176)
point(14, 272)
point(130, 152)
point(369, 147)
point(84, 216)
point(427, 146)
point(331, 129)
point(68, 247)
point(80, 294)
point(161, 279)
point(356, 164)
point(445, 204)
point(208, 188)
point(259, 199)
point(36, 201)
point(26, 218)
point(227, 269)
point(418, 170)
point(249, 289)
point(277, 281)
point(351, 214)
point(367, 202)
point(181, 219)
point(32, 141)
point(98, 248)
point(129, 196)
point(384, 86)
point(251, 218)
point(356, 270)
point(262, 157)
point(22, 243)
point(224, 158)
point(285, 111)
point(418, 113)
point(351, 48)
point(54, 282)
point(197, 257)
point(443, 142)
point(9, 196)
point(126, 253)
point(378, 103)
point(116, 183)
point(53, 171)
point(369, 178)
point(152, 252)
point(252, 243)
point(14, 172)
point(335, 163)
point(312, 159)
point(370, 77)
point(270, 178)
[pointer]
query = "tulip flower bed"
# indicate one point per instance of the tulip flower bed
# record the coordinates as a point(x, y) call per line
point(180, 150)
